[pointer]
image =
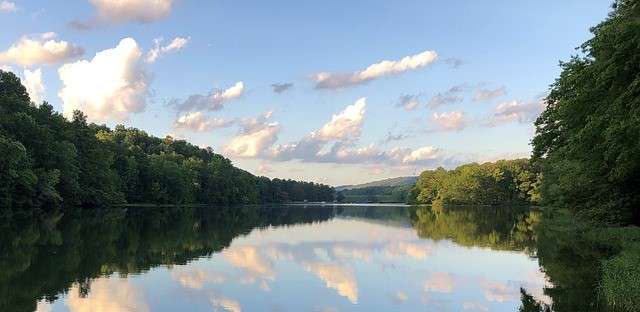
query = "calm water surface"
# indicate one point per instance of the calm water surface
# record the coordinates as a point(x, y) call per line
point(289, 258)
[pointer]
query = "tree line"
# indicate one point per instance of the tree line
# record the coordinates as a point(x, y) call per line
point(48, 161)
point(502, 182)
point(588, 138)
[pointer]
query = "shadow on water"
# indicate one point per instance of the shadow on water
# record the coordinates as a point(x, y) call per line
point(42, 257)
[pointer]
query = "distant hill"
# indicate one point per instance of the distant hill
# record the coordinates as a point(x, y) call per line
point(386, 182)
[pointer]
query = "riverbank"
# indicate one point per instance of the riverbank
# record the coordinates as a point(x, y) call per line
point(584, 260)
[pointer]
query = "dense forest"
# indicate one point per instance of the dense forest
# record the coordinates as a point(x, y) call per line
point(502, 182)
point(588, 138)
point(375, 194)
point(48, 161)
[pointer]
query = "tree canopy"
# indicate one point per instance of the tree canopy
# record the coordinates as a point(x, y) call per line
point(48, 161)
point(588, 138)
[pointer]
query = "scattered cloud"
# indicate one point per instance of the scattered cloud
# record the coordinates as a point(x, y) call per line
point(112, 85)
point(346, 125)
point(342, 279)
point(439, 282)
point(123, 11)
point(256, 136)
point(489, 94)
point(500, 292)
point(409, 102)
point(517, 111)
point(196, 278)
point(449, 121)
point(227, 304)
point(198, 122)
point(451, 96)
point(41, 49)
point(33, 83)
point(8, 6)
point(419, 155)
point(281, 87)
point(107, 294)
point(158, 49)
point(214, 101)
point(325, 80)
point(249, 260)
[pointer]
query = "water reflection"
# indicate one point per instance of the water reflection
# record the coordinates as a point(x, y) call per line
point(271, 258)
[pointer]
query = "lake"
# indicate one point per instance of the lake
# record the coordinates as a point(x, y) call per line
point(280, 258)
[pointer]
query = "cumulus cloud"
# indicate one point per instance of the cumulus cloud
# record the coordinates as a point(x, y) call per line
point(449, 121)
point(517, 111)
point(8, 6)
point(198, 122)
point(489, 94)
point(341, 279)
point(33, 83)
point(325, 80)
point(112, 85)
point(255, 137)
point(345, 125)
point(409, 102)
point(214, 101)
point(158, 49)
point(107, 294)
point(281, 87)
point(419, 155)
point(143, 11)
point(42, 49)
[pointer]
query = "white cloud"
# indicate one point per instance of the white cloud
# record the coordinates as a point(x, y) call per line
point(42, 49)
point(112, 85)
point(215, 100)
point(8, 6)
point(343, 126)
point(489, 94)
point(517, 111)
point(255, 137)
point(425, 153)
point(143, 11)
point(198, 122)
point(196, 278)
point(175, 45)
point(107, 294)
point(448, 121)
point(33, 83)
point(326, 80)
point(342, 279)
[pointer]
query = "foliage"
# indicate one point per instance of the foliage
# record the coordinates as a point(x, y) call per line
point(498, 227)
point(588, 138)
point(42, 257)
point(376, 194)
point(505, 181)
point(48, 161)
point(529, 304)
point(589, 268)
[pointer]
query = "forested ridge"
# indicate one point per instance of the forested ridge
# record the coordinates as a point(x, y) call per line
point(48, 161)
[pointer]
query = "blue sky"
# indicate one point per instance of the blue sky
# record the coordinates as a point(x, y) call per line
point(500, 56)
